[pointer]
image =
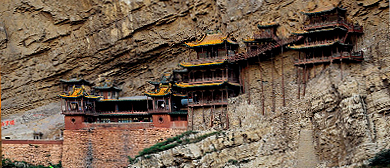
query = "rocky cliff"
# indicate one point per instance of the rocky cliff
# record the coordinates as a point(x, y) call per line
point(132, 41)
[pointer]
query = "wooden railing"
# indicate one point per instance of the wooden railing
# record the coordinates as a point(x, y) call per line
point(207, 103)
point(263, 35)
point(356, 56)
point(344, 23)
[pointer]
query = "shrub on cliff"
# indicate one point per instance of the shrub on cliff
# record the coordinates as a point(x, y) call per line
point(381, 159)
point(7, 163)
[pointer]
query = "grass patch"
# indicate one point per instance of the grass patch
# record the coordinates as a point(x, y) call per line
point(171, 143)
point(7, 163)
point(381, 159)
point(232, 161)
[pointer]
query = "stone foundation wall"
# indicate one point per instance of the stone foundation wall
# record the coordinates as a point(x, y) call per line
point(109, 146)
point(100, 145)
point(203, 118)
point(38, 152)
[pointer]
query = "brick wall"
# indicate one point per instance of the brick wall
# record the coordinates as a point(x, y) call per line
point(39, 152)
point(108, 145)
point(99, 145)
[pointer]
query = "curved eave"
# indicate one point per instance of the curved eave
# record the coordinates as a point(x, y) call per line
point(213, 43)
point(186, 65)
point(184, 85)
point(316, 12)
point(318, 31)
point(302, 47)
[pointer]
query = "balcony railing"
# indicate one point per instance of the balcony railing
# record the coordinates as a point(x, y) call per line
point(356, 56)
point(208, 103)
point(349, 26)
point(263, 35)
point(159, 110)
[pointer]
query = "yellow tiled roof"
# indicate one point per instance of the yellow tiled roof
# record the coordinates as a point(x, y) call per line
point(187, 85)
point(211, 39)
point(189, 64)
point(162, 91)
point(78, 92)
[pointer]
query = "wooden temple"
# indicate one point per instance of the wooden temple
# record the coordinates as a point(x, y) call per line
point(328, 37)
point(77, 105)
point(103, 105)
point(209, 79)
point(167, 108)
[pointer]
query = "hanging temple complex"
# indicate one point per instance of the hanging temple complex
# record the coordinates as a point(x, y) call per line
point(195, 97)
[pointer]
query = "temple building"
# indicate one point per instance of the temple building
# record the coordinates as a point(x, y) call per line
point(328, 37)
point(166, 107)
point(161, 107)
point(209, 80)
point(78, 106)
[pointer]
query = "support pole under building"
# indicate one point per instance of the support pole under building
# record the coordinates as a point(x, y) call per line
point(262, 87)
point(304, 80)
point(283, 91)
point(273, 81)
point(248, 80)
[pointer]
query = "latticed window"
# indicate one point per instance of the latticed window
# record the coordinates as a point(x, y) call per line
point(105, 120)
point(124, 120)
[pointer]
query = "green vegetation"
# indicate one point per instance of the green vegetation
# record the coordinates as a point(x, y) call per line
point(232, 161)
point(171, 143)
point(7, 163)
point(381, 159)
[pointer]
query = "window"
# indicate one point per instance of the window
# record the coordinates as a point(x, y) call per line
point(105, 120)
point(124, 120)
point(109, 95)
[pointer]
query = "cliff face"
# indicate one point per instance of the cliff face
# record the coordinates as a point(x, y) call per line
point(134, 41)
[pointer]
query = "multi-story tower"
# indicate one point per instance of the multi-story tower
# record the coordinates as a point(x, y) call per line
point(167, 108)
point(328, 37)
point(209, 80)
point(77, 105)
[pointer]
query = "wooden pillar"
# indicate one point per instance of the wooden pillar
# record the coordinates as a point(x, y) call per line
point(261, 86)
point(272, 83)
point(116, 107)
point(147, 103)
point(283, 91)
point(248, 80)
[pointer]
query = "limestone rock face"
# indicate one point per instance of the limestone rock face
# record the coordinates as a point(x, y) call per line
point(345, 107)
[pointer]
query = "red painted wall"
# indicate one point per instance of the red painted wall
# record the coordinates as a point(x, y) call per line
point(78, 122)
